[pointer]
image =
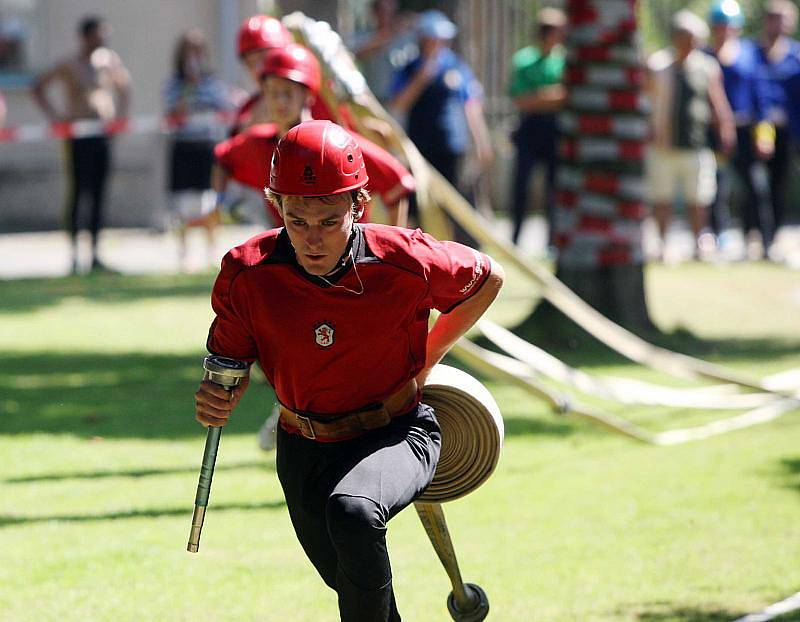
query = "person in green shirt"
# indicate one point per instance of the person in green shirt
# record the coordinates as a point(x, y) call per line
point(537, 91)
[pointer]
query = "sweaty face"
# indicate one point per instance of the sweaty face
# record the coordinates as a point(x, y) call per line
point(285, 100)
point(252, 61)
point(319, 229)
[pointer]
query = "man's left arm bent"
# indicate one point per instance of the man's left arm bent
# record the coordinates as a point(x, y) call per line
point(451, 326)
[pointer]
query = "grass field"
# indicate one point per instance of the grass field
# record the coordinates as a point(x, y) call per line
point(100, 455)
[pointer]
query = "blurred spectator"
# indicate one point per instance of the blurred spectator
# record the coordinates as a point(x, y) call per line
point(746, 90)
point(2, 110)
point(257, 35)
point(779, 61)
point(191, 91)
point(537, 92)
point(12, 44)
point(90, 80)
point(386, 48)
point(686, 92)
point(442, 100)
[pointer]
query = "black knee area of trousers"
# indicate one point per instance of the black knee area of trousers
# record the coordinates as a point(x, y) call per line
point(358, 605)
point(357, 528)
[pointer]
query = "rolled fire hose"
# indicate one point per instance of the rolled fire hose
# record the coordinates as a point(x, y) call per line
point(472, 433)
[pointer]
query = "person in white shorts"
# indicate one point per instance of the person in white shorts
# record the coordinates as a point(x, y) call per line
point(688, 97)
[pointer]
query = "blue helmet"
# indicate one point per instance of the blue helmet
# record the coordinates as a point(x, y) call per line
point(727, 12)
point(436, 25)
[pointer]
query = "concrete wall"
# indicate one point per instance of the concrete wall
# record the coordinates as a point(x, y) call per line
point(144, 34)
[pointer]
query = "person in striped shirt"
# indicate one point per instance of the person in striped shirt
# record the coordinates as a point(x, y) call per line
point(193, 96)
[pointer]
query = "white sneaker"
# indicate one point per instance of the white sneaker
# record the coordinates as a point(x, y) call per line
point(269, 429)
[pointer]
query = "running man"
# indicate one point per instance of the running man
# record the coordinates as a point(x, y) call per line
point(336, 314)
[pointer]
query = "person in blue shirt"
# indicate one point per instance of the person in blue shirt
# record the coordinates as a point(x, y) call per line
point(441, 100)
point(747, 92)
point(779, 62)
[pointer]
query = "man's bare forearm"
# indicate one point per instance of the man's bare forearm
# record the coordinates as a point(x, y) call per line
point(450, 327)
point(547, 99)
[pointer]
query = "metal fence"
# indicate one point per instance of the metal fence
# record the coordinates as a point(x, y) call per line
point(490, 34)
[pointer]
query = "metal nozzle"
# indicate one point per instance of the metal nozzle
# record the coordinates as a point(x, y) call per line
point(225, 371)
point(197, 527)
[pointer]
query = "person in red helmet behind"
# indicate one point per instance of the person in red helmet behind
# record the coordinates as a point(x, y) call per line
point(336, 315)
point(257, 35)
point(290, 81)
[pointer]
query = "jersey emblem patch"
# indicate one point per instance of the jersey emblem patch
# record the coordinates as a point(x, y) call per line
point(324, 335)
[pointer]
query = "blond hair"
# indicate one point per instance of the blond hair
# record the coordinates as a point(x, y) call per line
point(359, 198)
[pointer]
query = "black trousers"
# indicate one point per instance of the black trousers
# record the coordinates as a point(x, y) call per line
point(536, 142)
point(778, 168)
point(88, 163)
point(341, 496)
point(757, 207)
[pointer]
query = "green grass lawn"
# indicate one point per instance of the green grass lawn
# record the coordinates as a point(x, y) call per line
point(100, 455)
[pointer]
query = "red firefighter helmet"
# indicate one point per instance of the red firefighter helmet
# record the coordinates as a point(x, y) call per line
point(294, 62)
point(261, 32)
point(315, 159)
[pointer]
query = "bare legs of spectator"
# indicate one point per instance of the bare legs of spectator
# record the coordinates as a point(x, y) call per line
point(698, 221)
point(662, 212)
point(192, 209)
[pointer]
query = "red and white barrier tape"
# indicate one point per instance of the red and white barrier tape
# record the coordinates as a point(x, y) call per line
point(85, 128)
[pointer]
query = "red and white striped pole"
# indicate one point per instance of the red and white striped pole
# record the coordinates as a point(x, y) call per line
point(600, 192)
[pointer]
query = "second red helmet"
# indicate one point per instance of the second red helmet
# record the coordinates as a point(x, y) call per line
point(261, 32)
point(293, 62)
point(315, 159)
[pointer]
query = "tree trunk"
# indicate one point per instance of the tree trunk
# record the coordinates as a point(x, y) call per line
point(600, 203)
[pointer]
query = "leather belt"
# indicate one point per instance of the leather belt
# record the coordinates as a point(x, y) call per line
point(350, 425)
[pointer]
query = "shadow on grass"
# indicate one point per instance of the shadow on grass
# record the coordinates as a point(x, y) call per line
point(31, 294)
point(518, 426)
point(113, 396)
point(6, 521)
point(135, 473)
point(790, 468)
